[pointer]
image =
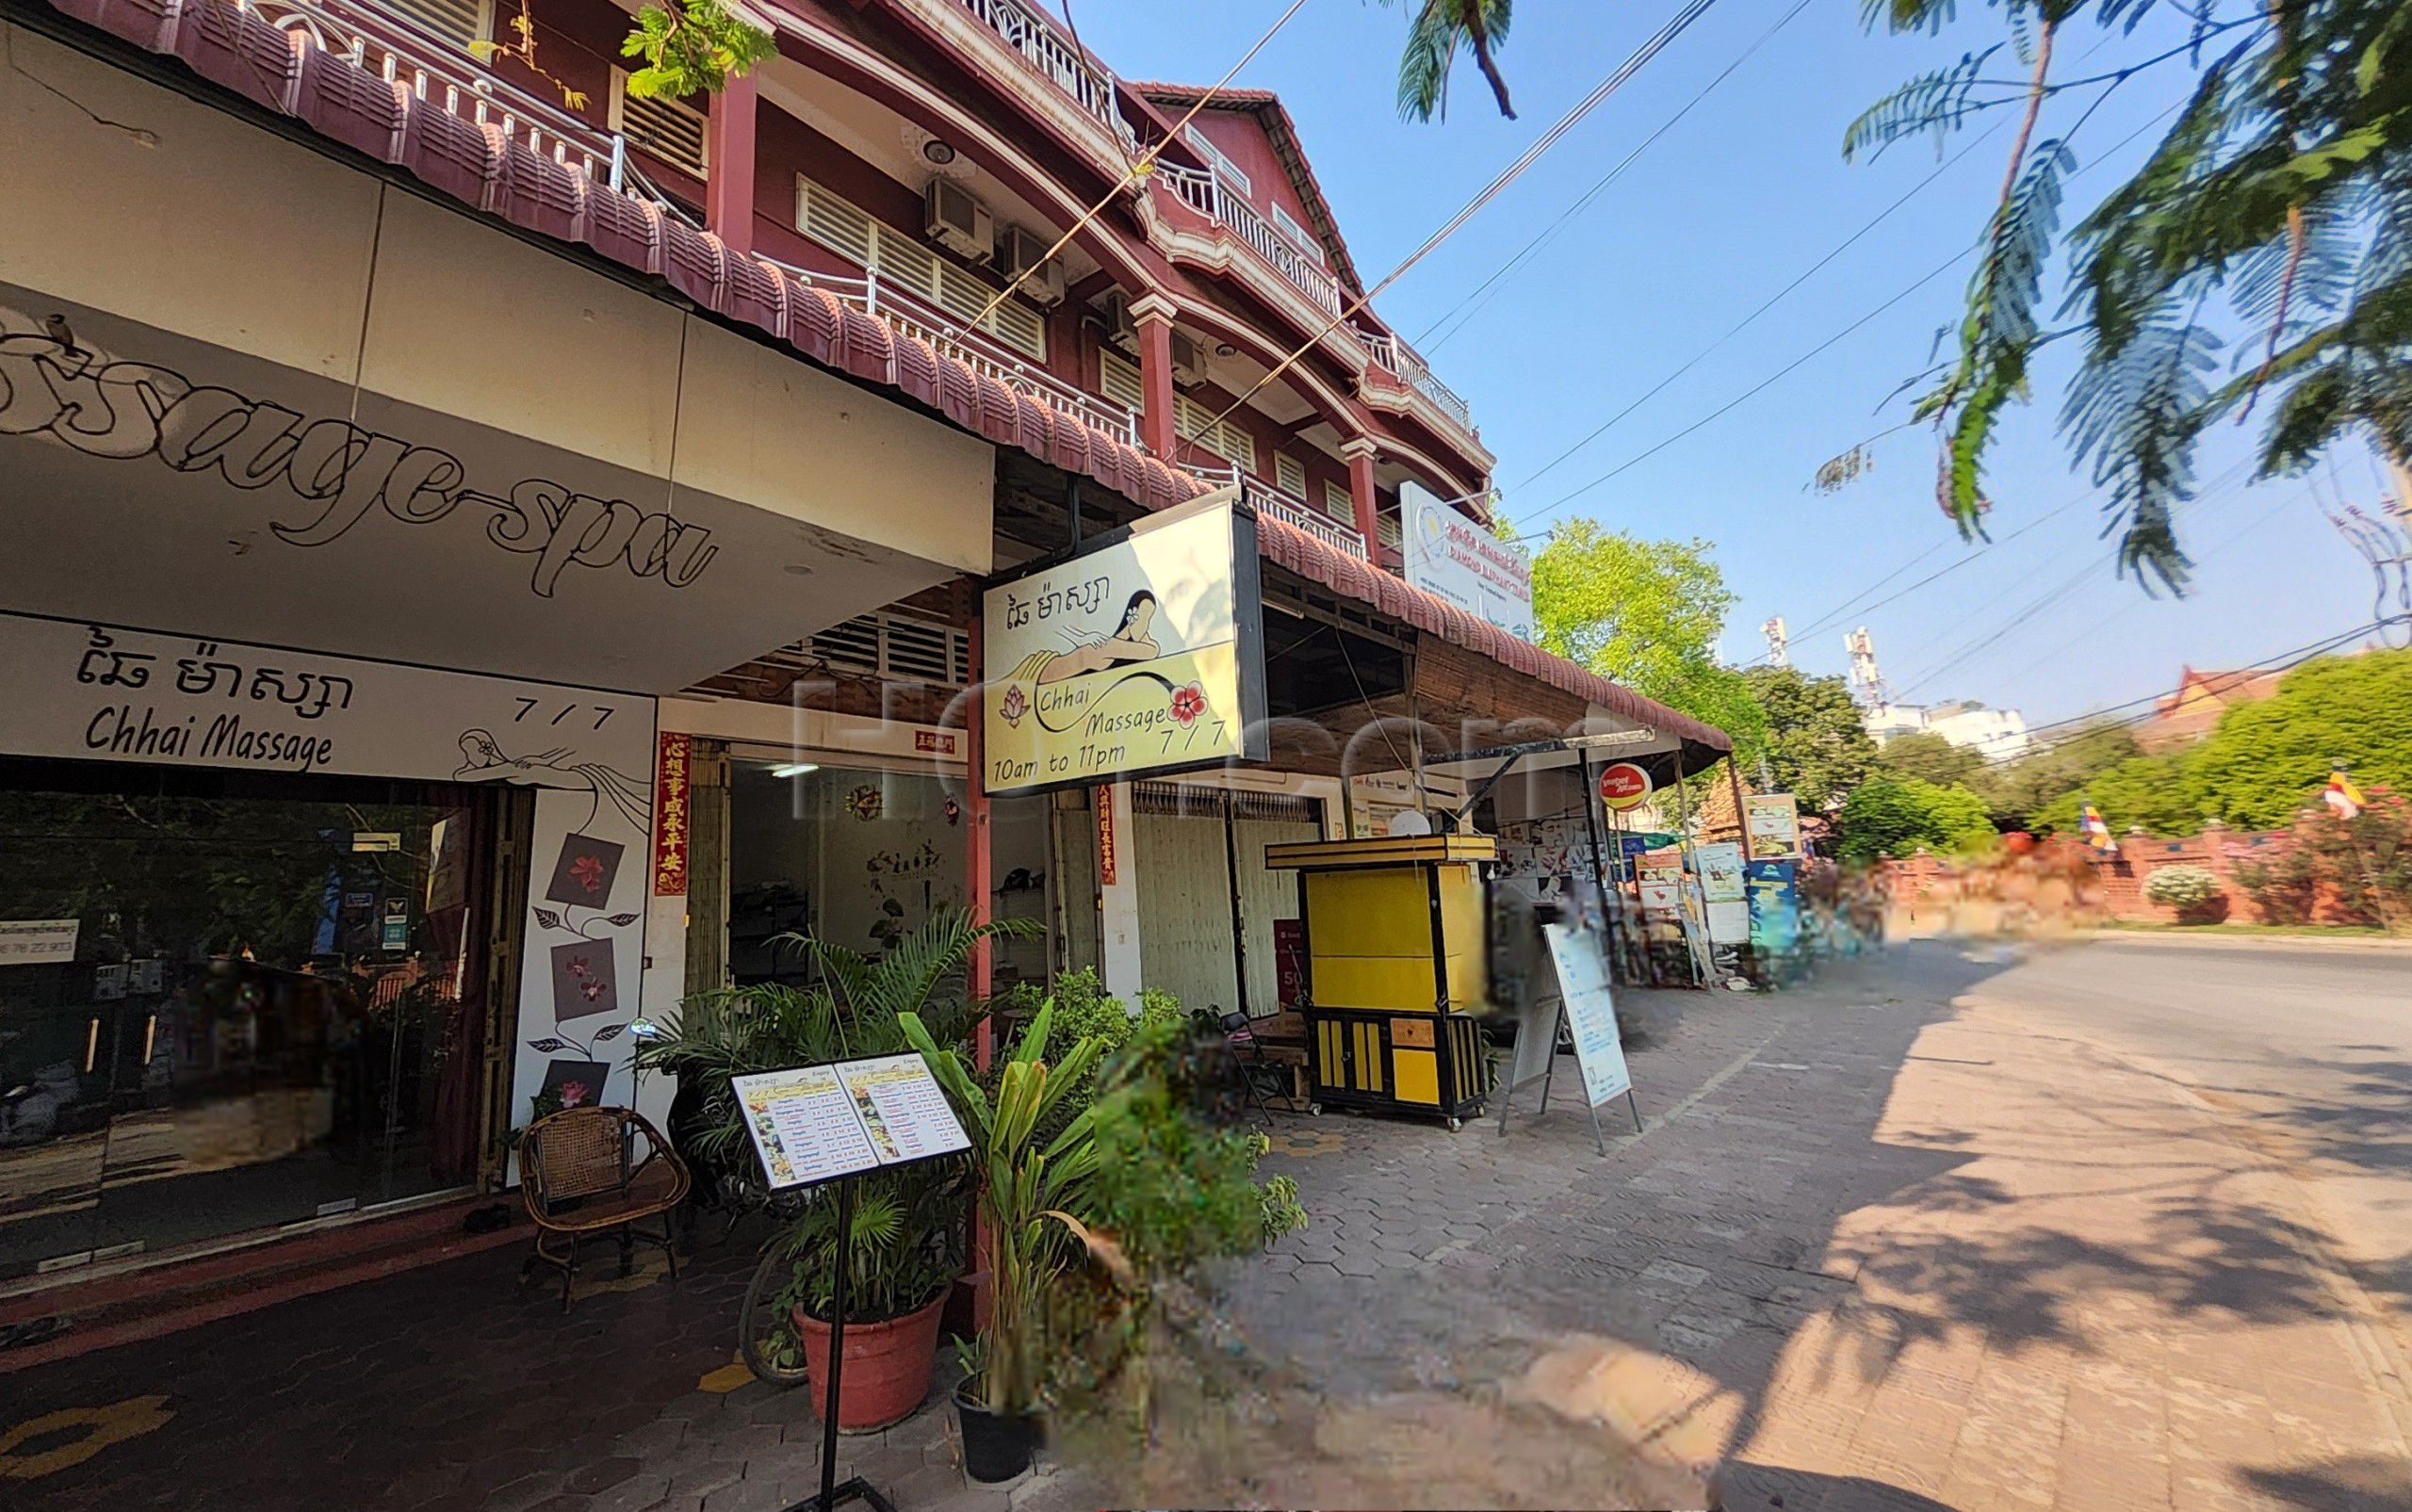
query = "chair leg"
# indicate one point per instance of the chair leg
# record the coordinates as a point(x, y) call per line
point(670, 1248)
point(569, 1275)
point(627, 1248)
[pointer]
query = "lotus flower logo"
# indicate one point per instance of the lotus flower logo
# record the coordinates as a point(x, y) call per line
point(1014, 706)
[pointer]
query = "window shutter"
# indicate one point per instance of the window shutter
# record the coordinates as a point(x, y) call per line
point(1339, 503)
point(1290, 475)
point(1119, 380)
point(671, 130)
point(903, 260)
point(458, 22)
point(833, 222)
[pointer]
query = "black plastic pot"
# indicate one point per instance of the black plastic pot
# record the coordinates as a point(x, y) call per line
point(996, 1446)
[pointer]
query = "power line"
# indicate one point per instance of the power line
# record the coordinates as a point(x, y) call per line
point(1480, 294)
point(1657, 43)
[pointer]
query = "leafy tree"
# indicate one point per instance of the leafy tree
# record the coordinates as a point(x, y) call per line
point(1893, 816)
point(2017, 793)
point(2278, 200)
point(1929, 757)
point(1439, 31)
point(692, 47)
point(1647, 614)
point(2149, 790)
point(2267, 760)
point(1816, 747)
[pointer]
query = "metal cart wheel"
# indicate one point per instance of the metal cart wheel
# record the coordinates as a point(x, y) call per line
point(1456, 1123)
point(1314, 1110)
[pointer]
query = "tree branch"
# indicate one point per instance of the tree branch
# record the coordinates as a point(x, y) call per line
point(1480, 35)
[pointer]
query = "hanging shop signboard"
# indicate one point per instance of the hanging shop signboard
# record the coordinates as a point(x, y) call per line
point(1457, 562)
point(1775, 822)
point(32, 941)
point(1623, 786)
point(1142, 656)
point(670, 780)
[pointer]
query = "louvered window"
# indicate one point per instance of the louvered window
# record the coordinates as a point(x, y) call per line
point(671, 130)
point(893, 645)
point(1386, 525)
point(907, 261)
point(1299, 236)
point(1119, 380)
point(1290, 475)
point(1223, 165)
point(457, 21)
point(1338, 502)
point(1224, 438)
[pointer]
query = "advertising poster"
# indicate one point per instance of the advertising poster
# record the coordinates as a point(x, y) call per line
point(1144, 655)
point(1591, 1010)
point(815, 1123)
point(1720, 882)
point(1774, 824)
point(1775, 904)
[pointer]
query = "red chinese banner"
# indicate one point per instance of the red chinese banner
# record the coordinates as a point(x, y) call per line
point(1107, 874)
point(670, 816)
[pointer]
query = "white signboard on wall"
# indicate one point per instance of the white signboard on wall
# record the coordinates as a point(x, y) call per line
point(104, 692)
point(1453, 559)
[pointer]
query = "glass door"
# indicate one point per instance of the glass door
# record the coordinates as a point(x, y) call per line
point(56, 1056)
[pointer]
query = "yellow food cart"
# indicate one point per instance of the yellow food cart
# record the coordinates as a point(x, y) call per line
point(1396, 953)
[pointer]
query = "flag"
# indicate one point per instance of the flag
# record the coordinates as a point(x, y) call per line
point(2343, 795)
point(2098, 834)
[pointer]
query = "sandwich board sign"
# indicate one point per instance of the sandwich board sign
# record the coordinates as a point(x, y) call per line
point(1586, 1006)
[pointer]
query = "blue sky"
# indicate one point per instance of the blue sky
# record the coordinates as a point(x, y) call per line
point(1733, 202)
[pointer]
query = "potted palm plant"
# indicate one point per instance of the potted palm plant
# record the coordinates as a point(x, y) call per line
point(1029, 1188)
point(908, 1223)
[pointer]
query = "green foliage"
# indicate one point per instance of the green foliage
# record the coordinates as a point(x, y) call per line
point(2360, 869)
point(1890, 816)
point(2017, 793)
point(909, 1219)
point(2146, 791)
point(2181, 887)
point(1436, 34)
point(2278, 198)
point(690, 47)
point(1816, 747)
point(2267, 760)
point(1646, 614)
point(1930, 759)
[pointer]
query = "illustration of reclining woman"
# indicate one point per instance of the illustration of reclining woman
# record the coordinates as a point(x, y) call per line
point(1128, 642)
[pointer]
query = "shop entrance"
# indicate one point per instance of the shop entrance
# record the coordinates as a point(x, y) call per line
point(231, 1002)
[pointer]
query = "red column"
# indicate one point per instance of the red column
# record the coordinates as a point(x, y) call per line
point(1360, 492)
point(976, 838)
point(1158, 427)
point(728, 155)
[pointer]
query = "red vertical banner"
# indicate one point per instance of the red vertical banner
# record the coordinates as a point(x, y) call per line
point(670, 776)
point(1107, 874)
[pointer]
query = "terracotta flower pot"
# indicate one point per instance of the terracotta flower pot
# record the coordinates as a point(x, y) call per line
point(888, 1366)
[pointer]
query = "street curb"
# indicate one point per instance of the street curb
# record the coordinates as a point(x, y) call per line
point(2380, 943)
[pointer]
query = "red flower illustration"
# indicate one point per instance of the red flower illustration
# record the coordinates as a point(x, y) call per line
point(573, 1093)
point(1013, 705)
point(588, 869)
point(592, 991)
point(1187, 704)
point(577, 967)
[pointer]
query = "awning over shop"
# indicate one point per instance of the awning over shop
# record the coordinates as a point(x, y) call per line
point(1461, 685)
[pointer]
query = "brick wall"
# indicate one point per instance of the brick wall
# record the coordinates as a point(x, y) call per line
point(2117, 884)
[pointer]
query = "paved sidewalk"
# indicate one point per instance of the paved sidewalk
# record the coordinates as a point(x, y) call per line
point(1874, 1250)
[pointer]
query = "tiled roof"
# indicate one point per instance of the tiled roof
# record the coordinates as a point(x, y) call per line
point(478, 165)
point(1268, 108)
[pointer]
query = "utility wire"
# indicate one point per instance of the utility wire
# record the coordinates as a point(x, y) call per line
point(1691, 12)
point(1139, 171)
point(1481, 293)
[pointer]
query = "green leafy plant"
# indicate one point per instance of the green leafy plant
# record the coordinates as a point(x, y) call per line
point(2181, 887)
point(1436, 34)
point(908, 1222)
point(692, 47)
point(1027, 1193)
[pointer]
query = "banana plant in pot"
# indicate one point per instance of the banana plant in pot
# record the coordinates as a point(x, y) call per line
point(1029, 1196)
point(908, 1223)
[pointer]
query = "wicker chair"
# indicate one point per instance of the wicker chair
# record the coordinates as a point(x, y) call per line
point(583, 1178)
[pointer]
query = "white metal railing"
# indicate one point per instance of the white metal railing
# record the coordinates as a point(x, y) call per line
point(1206, 194)
point(1401, 359)
point(982, 353)
point(1052, 54)
point(1288, 509)
point(439, 71)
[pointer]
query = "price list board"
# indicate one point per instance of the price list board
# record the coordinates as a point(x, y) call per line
point(816, 1123)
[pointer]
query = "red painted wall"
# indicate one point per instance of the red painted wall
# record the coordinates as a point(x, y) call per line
point(1240, 136)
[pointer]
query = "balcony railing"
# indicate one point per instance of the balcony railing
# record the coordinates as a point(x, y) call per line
point(908, 315)
point(441, 71)
point(1267, 499)
point(1052, 54)
point(1401, 359)
point(1205, 193)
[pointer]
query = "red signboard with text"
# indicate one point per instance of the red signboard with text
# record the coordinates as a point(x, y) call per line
point(1623, 786)
point(670, 815)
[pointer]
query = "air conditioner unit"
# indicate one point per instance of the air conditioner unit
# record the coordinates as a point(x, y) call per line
point(1188, 358)
point(952, 218)
point(1114, 323)
point(1021, 251)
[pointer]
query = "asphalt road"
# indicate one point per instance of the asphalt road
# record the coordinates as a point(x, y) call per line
point(2306, 1049)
